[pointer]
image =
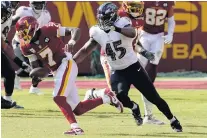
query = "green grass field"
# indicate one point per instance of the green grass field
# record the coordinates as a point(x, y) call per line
point(42, 119)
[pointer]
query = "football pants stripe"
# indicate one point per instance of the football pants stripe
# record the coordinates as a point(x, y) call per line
point(65, 79)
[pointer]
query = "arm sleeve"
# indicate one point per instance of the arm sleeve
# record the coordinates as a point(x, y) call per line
point(171, 25)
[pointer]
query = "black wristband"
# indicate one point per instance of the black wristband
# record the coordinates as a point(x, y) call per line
point(19, 62)
point(117, 29)
point(143, 52)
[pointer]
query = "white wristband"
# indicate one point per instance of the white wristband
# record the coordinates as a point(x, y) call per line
point(71, 42)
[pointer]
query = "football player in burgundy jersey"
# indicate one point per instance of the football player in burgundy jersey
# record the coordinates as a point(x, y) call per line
point(44, 43)
point(115, 36)
point(152, 39)
point(38, 10)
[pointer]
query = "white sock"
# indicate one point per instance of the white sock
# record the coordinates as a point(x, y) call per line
point(172, 120)
point(74, 125)
point(134, 106)
point(99, 93)
point(106, 99)
point(8, 98)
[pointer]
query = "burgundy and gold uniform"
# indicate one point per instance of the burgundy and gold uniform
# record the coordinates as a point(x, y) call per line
point(48, 48)
point(151, 35)
point(155, 13)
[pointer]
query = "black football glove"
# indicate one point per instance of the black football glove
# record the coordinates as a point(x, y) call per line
point(149, 55)
point(22, 64)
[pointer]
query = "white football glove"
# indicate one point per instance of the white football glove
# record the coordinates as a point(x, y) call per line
point(168, 38)
point(27, 67)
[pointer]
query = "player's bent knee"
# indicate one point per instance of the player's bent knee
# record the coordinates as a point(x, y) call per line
point(59, 100)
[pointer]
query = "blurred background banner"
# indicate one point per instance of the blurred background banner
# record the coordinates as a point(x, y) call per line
point(187, 52)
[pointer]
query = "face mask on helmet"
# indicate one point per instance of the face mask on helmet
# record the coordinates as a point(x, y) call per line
point(107, 15)
point(38, 6)
point(6, 11)
point(135, 9)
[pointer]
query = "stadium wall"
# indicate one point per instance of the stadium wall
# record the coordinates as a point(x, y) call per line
point(187, 52)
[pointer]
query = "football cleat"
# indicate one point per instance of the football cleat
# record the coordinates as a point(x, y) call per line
point(149, 119)
point(18, 107)
point(114, 101)
point(35, 90)
point(7, 104)
point(89, 95)
point(176, 126)
point(74, 131)
point(137, 116)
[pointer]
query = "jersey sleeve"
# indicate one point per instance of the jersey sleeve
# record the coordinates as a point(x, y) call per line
point(126, 21)
point(93, 33)
point(48, 16)
point(44, 19)
point(21, 12)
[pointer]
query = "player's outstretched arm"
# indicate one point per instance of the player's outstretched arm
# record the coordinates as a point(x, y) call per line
point(126, 31)
point(86, 50)
point(75, 34)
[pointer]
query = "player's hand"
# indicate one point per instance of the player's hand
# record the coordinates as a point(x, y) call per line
point(69, 47)
point(26, 67)
point(168, 38)
point(148, 55)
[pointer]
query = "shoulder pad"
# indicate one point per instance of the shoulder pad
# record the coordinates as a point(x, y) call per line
point(123, 21)
point(93, 30)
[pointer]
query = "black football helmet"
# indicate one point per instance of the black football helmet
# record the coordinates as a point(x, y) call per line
point(6, 11)
point(38, 6)
point(107, 15)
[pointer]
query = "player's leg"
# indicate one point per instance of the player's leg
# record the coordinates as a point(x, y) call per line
point(94, 93)
point(9, 76)
point(66, 96)
point(146, 87)
point(18, 53)
point(34, 87)
point(61, 80)
point(157, 47)
point(147, 42)
point(121, 87)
